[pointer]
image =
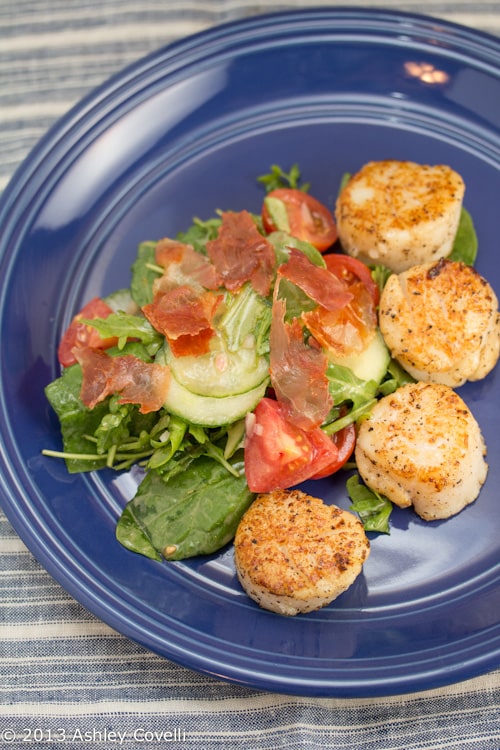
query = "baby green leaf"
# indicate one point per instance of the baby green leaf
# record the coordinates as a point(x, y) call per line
point(373, 509)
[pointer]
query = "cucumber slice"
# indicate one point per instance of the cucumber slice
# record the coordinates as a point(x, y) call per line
point(371, 363)
point(219, 373)
point(210, 411)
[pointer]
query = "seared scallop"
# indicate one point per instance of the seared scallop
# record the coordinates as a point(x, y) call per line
point(399, 213)
point(294, 553)
point(421, 446)
point(441, 322)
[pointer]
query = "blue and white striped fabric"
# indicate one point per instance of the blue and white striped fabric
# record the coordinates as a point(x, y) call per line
point(67, 679)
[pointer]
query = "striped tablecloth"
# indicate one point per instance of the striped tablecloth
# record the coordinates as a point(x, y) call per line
point(66, 678)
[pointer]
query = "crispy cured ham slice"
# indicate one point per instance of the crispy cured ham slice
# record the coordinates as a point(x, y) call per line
point(298, 372)
point(347, 330)
point(184, 317)
point(240, 253)
point(318, 283)
point(81, 336)
point(137, 382)
point(183, 265)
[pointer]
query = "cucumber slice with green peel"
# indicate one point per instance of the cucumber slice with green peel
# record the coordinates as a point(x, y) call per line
point(219, 373)
point(211, 411)
point(371, 363)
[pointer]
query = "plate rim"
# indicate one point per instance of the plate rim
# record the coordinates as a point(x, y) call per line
point(76, 117)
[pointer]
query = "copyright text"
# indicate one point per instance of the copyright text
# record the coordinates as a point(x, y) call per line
point(106, 736)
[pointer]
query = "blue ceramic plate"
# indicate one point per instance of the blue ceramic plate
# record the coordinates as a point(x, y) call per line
point(180, 134)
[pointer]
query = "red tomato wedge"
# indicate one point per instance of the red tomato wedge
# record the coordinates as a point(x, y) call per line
point(78, 335)
point(305, 217)
point(345, 440)
point(278, 454)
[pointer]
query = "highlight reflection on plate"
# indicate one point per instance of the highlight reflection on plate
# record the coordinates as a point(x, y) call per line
point(180, 134)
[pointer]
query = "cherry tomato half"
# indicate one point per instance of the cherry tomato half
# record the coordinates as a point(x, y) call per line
point(278, 454)
point(345, 440)
point(299, 214)
point(351, 269)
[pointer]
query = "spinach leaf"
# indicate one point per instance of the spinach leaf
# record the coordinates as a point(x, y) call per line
point(465, 244)
point(76, 421)
point(373, 509)
point(111, 434)
point(194, 512)
point(129, 534)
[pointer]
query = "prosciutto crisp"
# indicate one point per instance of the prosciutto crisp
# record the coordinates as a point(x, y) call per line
point(240, 253)
point(137, 382)
point(298, 372)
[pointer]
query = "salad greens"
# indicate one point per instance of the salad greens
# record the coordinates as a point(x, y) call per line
point(465, 244)
point(194, 489)
point(373, 509)
point(203, 510)
point(277, 178)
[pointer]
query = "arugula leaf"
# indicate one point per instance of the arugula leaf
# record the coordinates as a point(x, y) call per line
point(465, 244)
point(283, 242)
point(141, 287)
point(395, 377)
point(373, 509)
point(124, 326)
point(349, 391)
point(111, 434)
point(200, 232)
point(243, 314)
point(167, 440)
point(344, 180)
point(380, 274)
point(194, 512)
point(114, 426)
point(136, 348)
point(277, 178)
point(296, 300)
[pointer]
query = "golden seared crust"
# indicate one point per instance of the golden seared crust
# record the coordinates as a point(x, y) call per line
point(441, 322)
point(294, 553)
point(400, 213)
point(421, 446)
